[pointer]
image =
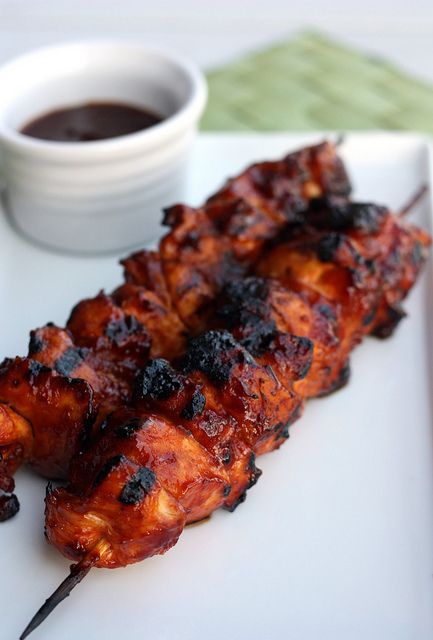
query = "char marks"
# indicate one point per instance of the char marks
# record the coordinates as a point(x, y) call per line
point(195, 406)
point(138, 486)
point(128, 428)
point(107, 468)
point(244, 304)
point(336, 214)
point(69, 361)
point(119, 330)
point(9, 507)
point(158, 380)
point(214, 353)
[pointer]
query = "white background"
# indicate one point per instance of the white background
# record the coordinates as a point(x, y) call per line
point(213, 32)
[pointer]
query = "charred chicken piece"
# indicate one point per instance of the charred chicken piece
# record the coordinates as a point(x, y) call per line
point(102, 325)
point(193, 434)
point(168, 333)
point(129, 516)
point(256, 310)
point(283, 188)
point(233, 406)
point(183, 466)
point(395, 249)
point(196, 260)
point(107, 340)
point(183, 399)
point(360, 258)
point(99, 353)
point(16, 441)
point(144, 268)
point(44, 415)
point(111, 379)
point(209, 246)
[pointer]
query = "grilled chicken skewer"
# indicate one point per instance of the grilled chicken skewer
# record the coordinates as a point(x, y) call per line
point(147, 475)
point(335, 277)
point(339, 276)
point(109, 337)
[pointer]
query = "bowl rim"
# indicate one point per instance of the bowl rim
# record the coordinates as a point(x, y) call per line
point(187, 115)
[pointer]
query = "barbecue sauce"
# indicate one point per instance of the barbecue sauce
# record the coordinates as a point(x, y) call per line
point(90, 122)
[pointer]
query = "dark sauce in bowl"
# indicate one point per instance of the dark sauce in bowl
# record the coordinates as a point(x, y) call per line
point(90, 122)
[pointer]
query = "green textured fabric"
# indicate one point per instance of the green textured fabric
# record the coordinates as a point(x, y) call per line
point(311, 83)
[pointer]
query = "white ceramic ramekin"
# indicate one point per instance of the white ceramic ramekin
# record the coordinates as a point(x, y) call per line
point(96, 196)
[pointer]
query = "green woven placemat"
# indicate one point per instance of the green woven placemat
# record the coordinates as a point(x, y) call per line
point(310, 82)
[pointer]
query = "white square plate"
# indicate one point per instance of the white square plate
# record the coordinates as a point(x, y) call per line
point(335, 541)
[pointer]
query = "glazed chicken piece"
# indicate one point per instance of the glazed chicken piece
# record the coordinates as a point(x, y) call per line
point(205, 248)
point(45, 418)
point(209, 246)
point(189, 440)
point(228, 400)
point(282, 188)
point(392, 247)
point(356, 264)
point(104, 345)
point(117, 321)
point(107, 340)
point(53, 399)
point(144, 268)
point(255, 310)
point(184, 467)
point(111, 378)
point(185, 401)
point(50, 414)
point(125, 515)
point(168, 333)
point(17, 442)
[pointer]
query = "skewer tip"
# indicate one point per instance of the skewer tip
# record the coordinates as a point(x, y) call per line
point(77, 573)
point(341, 137)
point(414, 200)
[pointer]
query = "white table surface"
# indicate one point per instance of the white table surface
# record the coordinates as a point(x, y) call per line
point(215, 32)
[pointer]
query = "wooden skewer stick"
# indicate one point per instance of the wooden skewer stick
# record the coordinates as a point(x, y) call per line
point(78, 572)
point(414, 200)
point(341, 137)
